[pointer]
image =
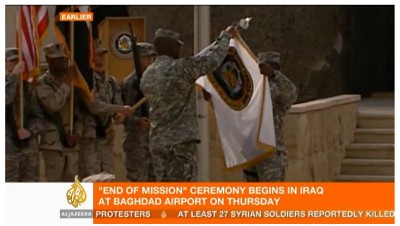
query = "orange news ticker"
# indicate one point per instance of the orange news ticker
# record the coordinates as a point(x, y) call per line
point(76, 16)
point(357, 203)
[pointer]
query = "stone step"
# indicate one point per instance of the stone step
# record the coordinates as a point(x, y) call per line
point(374, 135)
point(366, 120)
point(367, 167)
point(370, 151)
point(364, 178)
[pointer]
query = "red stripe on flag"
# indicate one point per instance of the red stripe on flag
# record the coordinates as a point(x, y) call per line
point(28, 37)
point(42, 20)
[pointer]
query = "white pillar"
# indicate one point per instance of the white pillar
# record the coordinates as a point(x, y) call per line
point(202, 40)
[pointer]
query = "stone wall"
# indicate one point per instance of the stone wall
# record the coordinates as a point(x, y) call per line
point(315, 134)
point(177, 18)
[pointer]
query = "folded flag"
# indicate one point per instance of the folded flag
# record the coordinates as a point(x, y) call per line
point(242, 104)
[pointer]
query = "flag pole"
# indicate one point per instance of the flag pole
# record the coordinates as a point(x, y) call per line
point(202, 40)
point(21, 85)
point(71, 62)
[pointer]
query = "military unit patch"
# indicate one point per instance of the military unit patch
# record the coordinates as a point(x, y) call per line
point(233, 81)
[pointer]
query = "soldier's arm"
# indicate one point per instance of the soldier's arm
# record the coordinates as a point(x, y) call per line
point(197, 66)
point(36, 119)
point(97, 106)
point(283, 90)
point(128, 98)
point(50, 100)
point(11, 87)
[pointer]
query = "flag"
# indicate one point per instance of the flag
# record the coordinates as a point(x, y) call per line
point(82, 42)
point(42, 18)
point(28, 41)
point(242, 104)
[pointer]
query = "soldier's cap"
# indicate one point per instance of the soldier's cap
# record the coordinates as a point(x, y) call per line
point(146, 49)
point(165, 33)
point(11, 53)
point(54, 50)
point(273, 57)
point(99, 47)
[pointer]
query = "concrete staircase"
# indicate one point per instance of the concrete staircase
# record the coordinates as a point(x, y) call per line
point(371, 156)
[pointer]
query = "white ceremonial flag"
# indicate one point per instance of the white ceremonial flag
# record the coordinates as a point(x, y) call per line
point(242, 104)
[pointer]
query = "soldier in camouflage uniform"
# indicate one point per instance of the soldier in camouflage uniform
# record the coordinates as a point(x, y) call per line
point(22, 145)
point(169, 85)
point(107, 91)
point(97, 119)
point(58, 145)
point(283, 95)
point(136, 137)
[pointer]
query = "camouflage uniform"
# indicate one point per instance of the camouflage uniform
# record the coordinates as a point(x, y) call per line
point(283, 95)
point(22, 162)
point(96, 155)
point(89, 156)
point(169, 85)
point(88, 164)
point(136, 140)
point(61, 163)
point(108, 91)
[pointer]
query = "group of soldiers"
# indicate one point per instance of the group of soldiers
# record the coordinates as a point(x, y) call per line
point(161, 147)
point(84, 148)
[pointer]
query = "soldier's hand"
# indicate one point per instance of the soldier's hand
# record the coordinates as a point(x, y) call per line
point(24, 134)
point(266, 69)
point(119, 119)
point(206, 95)
point(71, 75)
point(19, 68)
point(73, 139)
point(65, 78)
point(232, 29)
point(125, 110)
point(143, 123)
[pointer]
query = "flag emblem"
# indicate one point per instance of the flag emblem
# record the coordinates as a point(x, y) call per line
point(232, 81)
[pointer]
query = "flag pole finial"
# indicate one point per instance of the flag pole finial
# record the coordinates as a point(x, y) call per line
point(244, 23)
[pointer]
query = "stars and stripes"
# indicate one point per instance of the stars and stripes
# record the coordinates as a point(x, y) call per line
point(31, 30)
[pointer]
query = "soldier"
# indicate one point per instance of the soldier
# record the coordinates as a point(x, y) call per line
point(136, 137)
point(169, 85)
point(96, 144)
point(107, 91)
point(283, 95)
point(58, 145)
point(22, 144)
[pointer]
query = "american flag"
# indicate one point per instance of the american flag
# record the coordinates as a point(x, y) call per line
point(31, 30)
point(42, 16)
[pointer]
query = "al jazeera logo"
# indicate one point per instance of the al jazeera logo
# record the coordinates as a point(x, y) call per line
point(76, 195)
